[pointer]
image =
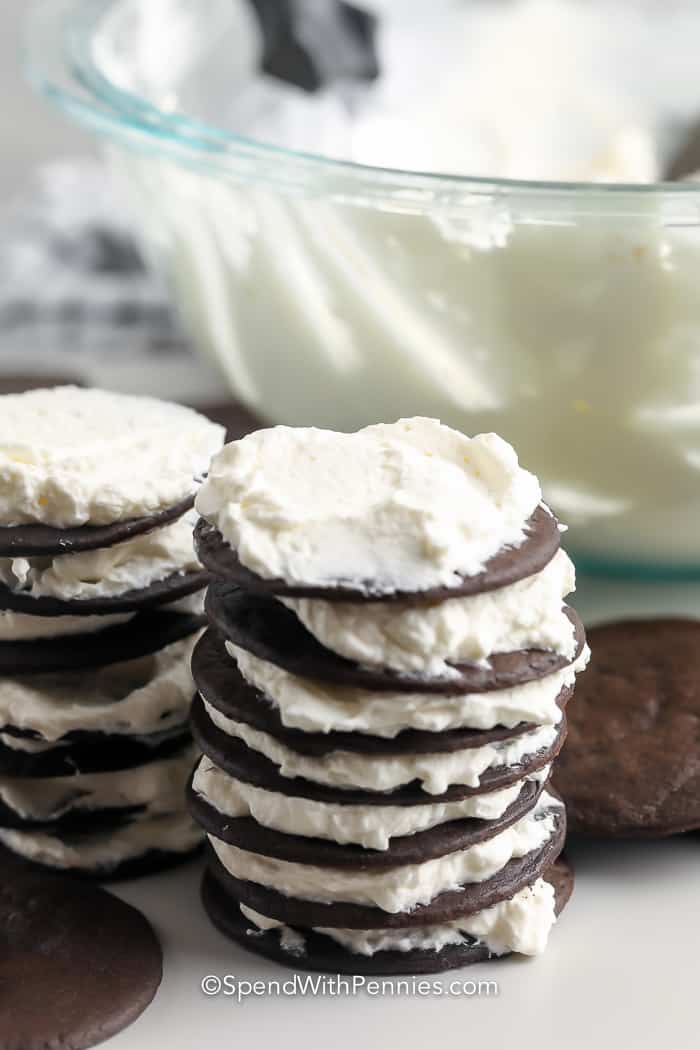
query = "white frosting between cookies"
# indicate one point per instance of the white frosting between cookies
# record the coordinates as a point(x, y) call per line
point(520, 924)
point(372, 827)
point(136, 697)
point(351, 769)
point(400, 888)
point(171, 833)
point(23, 627)
point(322, 707)
point(159, 786)
point(108, 571)
point(426, 639)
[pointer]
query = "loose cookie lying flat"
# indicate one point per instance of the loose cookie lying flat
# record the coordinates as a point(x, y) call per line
point(78, 965)
point(631, 764)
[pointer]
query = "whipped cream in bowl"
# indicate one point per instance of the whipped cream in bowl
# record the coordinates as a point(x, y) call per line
point(489, 242)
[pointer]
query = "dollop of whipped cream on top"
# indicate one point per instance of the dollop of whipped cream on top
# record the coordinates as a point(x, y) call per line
point(70, 456)
point(400, 506)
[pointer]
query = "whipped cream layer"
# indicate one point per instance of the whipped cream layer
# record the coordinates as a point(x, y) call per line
point(402, 506)
point(291, 940)
point(71, 456)
point(138, 697)
point(158, 786)
point(372, 827)
point(404, 636)
point(401, 888)
point(350, 769)
point(109, 571)
point(521, 924)
point(92, 851)
point(323, 707)
point(23, 627)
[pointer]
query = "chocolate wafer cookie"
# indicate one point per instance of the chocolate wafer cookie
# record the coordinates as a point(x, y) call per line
point(305, 949)
point(31, 539)
point(222, 686)
point(244, 763)
point(76, 960)
point(444, 906)
point(140, 635)
point(631, 766)
point(507, 566)
point(272, 632)
point(135, 846)
point(455, 835)
point(161, 592)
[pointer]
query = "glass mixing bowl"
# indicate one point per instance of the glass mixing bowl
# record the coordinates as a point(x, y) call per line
point(566, 317)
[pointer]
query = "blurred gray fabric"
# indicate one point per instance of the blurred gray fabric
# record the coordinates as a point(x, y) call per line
point(76, 297)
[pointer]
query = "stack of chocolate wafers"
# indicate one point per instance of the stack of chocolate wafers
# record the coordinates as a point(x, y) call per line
point(372, 819)
point(97, 624)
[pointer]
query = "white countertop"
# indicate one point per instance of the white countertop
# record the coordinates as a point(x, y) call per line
point(621, 968)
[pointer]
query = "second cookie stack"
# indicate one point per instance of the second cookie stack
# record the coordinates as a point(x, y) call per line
point(100, 603)
point(381, 697)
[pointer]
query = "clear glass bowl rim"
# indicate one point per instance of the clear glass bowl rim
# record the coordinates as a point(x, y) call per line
point(57, 61)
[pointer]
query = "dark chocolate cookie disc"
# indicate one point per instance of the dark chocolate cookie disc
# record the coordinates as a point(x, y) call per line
point(455, 835)
point(34, 540)
point(507, 566)
point(144, 633)
point(631, 766)
point(77, 965)
point(72, 820)
point(222, 685)
point(470, 898)
point(322, 954)
point(152, 862)
point(270, 631)
point(72, 809)
point(171, 589)
point(89, 752)
point(242, 762)
point(561, 877)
